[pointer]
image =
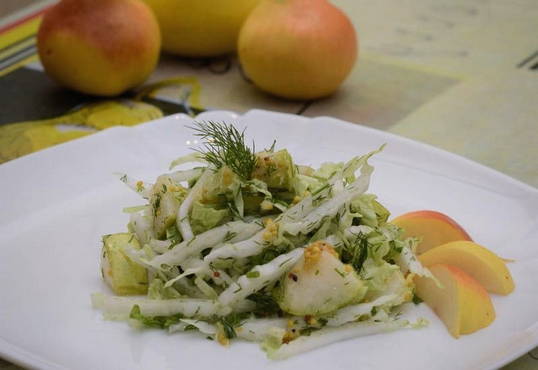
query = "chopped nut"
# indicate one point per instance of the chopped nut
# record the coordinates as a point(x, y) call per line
point(221, 338)
point(271, 231)
point(267, 236)
point(409, 279)
point(313, 252)
point(289, 336)
point(266, 205)
point(310, 320)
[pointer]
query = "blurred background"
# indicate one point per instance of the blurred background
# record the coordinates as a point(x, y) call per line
point(422, 69)
point(10, 6)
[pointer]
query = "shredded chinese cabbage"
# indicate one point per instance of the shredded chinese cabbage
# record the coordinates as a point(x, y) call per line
point(245, 225)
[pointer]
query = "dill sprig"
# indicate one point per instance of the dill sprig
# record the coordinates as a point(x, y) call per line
point(224, 145)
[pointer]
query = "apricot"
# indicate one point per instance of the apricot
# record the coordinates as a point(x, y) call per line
point(432, 227)
point(461, 302)
point(475, 260)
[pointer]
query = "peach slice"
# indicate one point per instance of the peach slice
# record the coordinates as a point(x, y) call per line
point(461, 302)
point(434, 228)
point(475, 260)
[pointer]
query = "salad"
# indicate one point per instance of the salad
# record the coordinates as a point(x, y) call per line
point(250, 245)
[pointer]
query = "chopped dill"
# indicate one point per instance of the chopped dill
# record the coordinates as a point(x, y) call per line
point(283, 263)
point(356, 252)
point(319, 190)
point(238, 289)
point(271, 149)
point(417, 299)
point(224, 145)
point(229, 236)
point(265, 304)
point(234, 211)
point(307, 331)
point(160, 322)
point(230, 322)
point(340, 273)
point(156, 204)
point(173, 235)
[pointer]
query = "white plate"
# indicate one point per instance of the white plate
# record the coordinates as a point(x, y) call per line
point(57, 203)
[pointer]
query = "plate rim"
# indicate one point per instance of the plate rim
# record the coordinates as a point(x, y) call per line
point(238, 116)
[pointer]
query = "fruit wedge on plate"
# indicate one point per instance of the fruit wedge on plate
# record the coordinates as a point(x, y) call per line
point(465, 271)
point(432, 227)
point(460, 301)
point(475, 260)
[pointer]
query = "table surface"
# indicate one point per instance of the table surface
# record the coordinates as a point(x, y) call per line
point(461, 75)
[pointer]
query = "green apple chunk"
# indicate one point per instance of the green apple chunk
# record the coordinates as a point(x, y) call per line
point(205, 217)
point(166, 197)
point(220, 187)
point(319, 283)
point(276, 169)
point(124, 276)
